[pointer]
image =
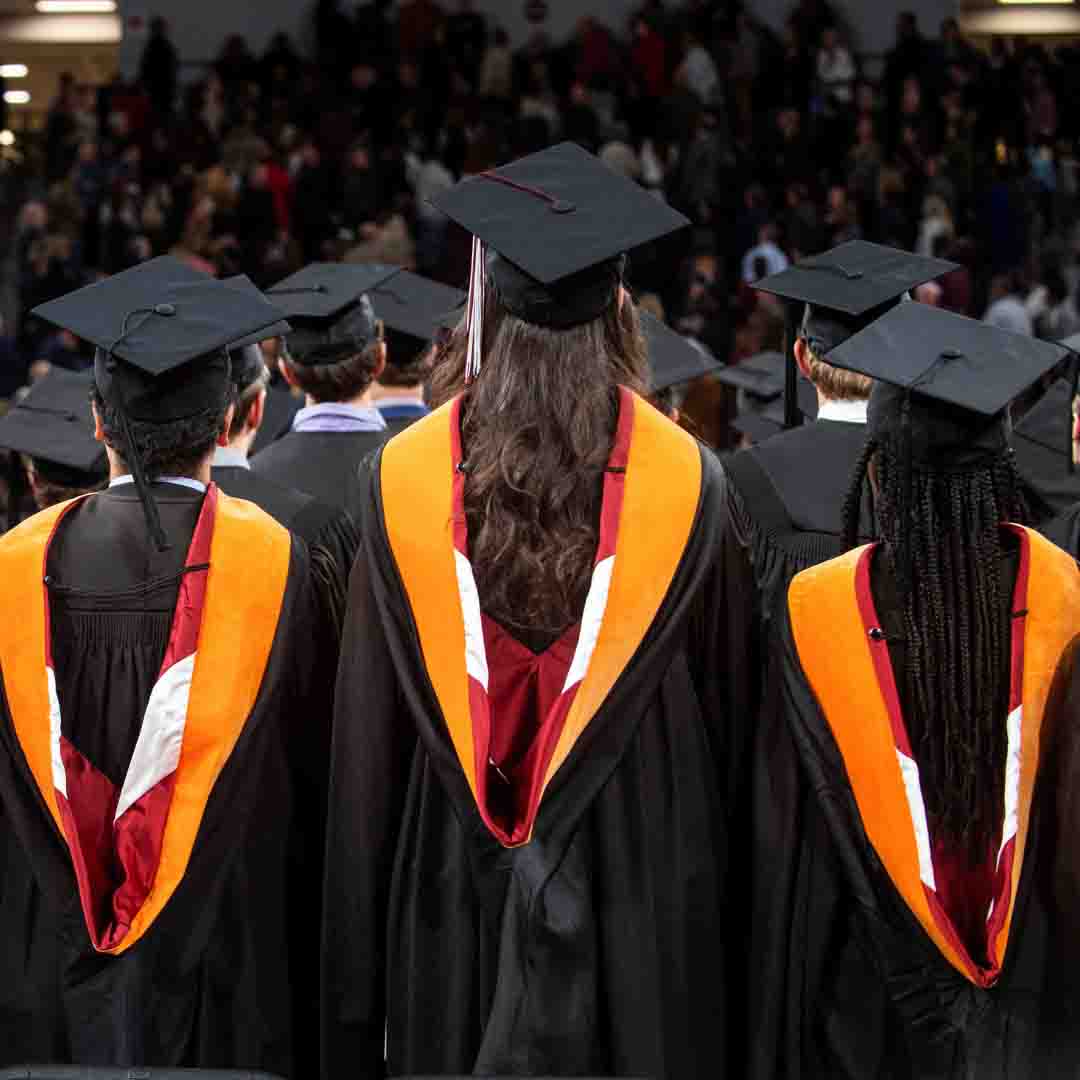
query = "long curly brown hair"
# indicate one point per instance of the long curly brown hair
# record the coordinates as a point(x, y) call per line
point(537, 427)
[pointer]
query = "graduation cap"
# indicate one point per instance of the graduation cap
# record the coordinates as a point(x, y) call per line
point(279, 329)
point(1043, 442)
point(947, 361)
point(943, 385)
point(550, 235)
point(760, 376)
point(161, 331)
point(761, 424)
point(53, 425)
point(673, 358)
point(415, 307)
point(330, 314)
point(847, 288)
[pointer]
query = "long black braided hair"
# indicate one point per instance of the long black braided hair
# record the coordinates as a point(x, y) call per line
point(957, 624)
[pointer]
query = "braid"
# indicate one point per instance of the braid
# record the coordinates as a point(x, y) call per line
point(853, 499)
point(957, 630)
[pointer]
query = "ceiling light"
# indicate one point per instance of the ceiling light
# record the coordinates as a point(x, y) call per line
point(1040, 2)
point(13, 71)
point(7, 138)
point(76, 7)
point(17, 97)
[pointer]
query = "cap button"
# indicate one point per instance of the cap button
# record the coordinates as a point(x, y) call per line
point(164, 309)
point(951, 354)
point(559, 206)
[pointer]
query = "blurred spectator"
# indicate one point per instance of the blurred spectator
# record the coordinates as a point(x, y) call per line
point(1007, 311)
point(765, 257)
point(698, 70)
point(497, 69)
point(159, 66)
point(836, 70)
point(936, 222)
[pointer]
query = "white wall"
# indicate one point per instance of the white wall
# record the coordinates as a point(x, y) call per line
point(199, 26)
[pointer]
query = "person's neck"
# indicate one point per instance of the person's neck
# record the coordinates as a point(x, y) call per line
point(361, 401)
point(411, 393)
point(242, 444)
point(824, 399)
point(202, 473)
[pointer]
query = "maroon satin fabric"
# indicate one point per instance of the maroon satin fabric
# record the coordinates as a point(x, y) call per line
point(523, 687)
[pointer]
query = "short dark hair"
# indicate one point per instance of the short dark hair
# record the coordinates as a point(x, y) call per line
point(340, 380)
point(173, 448)
point(245, 401)
point(411, 366)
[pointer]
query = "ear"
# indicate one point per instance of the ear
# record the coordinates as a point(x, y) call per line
point(223, 434)
point(380, 361)
point(802, 357)
point(286, 373)
point(99, 428)
point(257, 412)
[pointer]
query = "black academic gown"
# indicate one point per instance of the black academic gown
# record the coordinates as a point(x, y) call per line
point(322, 526)
point(325, 464)
point(1042, 442)
point(787, 494)
point(850, 984)
point(606, 943)
point(400, 416)
point(223, 975)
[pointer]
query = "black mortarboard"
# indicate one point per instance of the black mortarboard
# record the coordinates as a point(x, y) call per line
point(1042, 441)
point(674, 359)
point(760, 424)
point(161, 331)
point(942, 387)
point(958, 363)
point(415, 307)
point(279, 329)
point(329, 312)
point(761, 376)
point(556, 225)
point(53, 425)
point(846, 288)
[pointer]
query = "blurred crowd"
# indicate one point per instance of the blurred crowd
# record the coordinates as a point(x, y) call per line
point(777, 145)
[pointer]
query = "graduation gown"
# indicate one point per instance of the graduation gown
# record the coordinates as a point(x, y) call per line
point(163, 736)
point(862, 970)
point(400, 415)
point(324, 527)
point(787, 494)
point(591, 930)
point(1064, 530)
point(325, 464)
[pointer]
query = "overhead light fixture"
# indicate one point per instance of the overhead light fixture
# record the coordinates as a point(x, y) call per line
point(76, 7)
point(17, 97)
point(7, 138)
point(1041, 3)
point(13, 71)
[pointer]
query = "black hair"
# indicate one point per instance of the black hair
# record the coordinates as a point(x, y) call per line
point(172, 448)
point(956, 603)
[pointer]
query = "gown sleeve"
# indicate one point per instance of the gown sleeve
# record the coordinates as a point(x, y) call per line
point(372, 745)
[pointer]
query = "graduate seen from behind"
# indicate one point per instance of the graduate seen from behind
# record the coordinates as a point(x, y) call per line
point(51, 428)
point(326, 528)
point(539, 708)
point(917, 897)
point(334, 354)
point(416, 313)
point(163, 726)
point(787, 493)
